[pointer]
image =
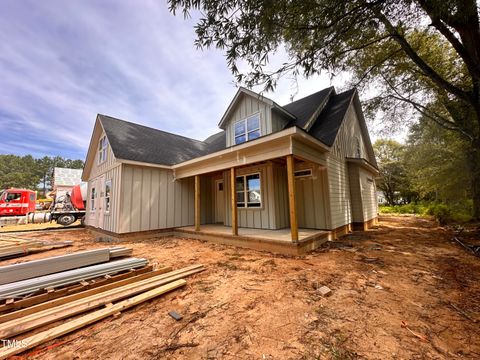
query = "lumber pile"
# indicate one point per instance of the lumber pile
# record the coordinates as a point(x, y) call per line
point(54, 264)
point(95, 304)
point(13, 247)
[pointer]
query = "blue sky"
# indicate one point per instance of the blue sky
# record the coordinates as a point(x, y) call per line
point(62, 62)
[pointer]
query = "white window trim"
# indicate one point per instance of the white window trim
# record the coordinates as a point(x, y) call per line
point(244, 120)
point(109, 197)
point(92, 206)
point(245, 192)
point(102, 150)
point(303, 176)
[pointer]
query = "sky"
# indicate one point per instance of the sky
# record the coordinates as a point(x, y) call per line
point(62, 62)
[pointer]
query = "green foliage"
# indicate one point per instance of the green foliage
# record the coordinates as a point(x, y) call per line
point(28, 172)
point(412, 55)
point(393, 182)
point(443, 213)
point(437, 165)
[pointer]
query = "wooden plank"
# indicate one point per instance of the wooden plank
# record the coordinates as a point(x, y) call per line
point(233, 198)
point(37, 299)
point(88, 319)
point(29, 322)
point(82, 294)
point(291, 197)
point(197, 202)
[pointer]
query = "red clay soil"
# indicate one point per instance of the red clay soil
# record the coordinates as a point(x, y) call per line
point(254, 305)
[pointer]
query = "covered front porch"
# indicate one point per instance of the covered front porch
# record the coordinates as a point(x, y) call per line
point(270, 194)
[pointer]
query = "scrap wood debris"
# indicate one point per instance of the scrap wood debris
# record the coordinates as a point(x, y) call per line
point(420, 336)
point(97, 300)
point(11, 246)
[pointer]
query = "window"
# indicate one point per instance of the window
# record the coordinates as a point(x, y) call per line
point(32, 197)
point(102, 149)
point(13, 196)
point(93, 195)
point(303, 173)
point(249, 193)
point(108, 188)
point(247, 129)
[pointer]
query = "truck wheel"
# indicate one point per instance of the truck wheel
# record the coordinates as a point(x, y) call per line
point(66, 219)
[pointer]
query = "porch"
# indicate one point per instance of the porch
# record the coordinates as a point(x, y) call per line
point(259, 239)
point(267, 194)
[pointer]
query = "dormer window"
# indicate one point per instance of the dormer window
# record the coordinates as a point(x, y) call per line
point(247, 129)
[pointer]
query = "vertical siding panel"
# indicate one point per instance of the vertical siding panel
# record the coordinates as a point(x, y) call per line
point(136, 212)
point(164, 190)
point(146, 200)
point(178, 200)
point(154, 199)
point(127, 199)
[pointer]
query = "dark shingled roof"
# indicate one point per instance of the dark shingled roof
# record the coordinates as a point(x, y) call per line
point(304, 108)
point(328, 122)
point(135, 142)
point(216, 142)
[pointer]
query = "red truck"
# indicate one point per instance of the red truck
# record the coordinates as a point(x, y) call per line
point(21, 203)
point(17, 202)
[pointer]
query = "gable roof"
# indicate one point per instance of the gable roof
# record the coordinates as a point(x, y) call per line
point(320, 114)
point(328, 122)
point(242, 91)
point(305, 108)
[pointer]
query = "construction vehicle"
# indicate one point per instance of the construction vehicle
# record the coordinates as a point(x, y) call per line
point(17, 206)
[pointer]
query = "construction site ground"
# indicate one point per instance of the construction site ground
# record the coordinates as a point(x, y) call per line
point(401, 291)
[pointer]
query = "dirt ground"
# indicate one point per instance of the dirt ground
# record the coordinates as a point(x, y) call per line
point(27, 227)
point(254, 305)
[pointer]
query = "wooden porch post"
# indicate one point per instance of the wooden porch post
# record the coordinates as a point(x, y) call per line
point(197, 203)
point(233, 196)
point(291, 198)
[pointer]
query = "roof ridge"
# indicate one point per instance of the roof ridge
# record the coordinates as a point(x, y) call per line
point(312, 94)
point(149, 127)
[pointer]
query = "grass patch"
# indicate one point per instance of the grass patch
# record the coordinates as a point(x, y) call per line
point(443, 213)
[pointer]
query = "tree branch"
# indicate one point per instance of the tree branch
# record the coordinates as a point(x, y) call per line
point(427, 70)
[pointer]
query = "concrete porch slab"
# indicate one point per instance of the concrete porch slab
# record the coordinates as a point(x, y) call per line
point(278, 241)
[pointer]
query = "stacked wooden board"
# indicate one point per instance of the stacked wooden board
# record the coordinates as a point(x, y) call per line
point(11, 246)
point(115, 300)
point(103, 297)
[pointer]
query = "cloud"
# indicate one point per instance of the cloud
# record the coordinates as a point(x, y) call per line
point(61, 63)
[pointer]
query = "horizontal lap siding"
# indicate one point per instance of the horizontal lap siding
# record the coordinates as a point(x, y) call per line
point(345, 144)
point(152, 200)
point(339, 192)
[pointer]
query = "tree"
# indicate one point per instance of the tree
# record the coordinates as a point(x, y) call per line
point(391, 165)
point(28, 172)
point(437, 165)
point(16, 171)
point(417, 54)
